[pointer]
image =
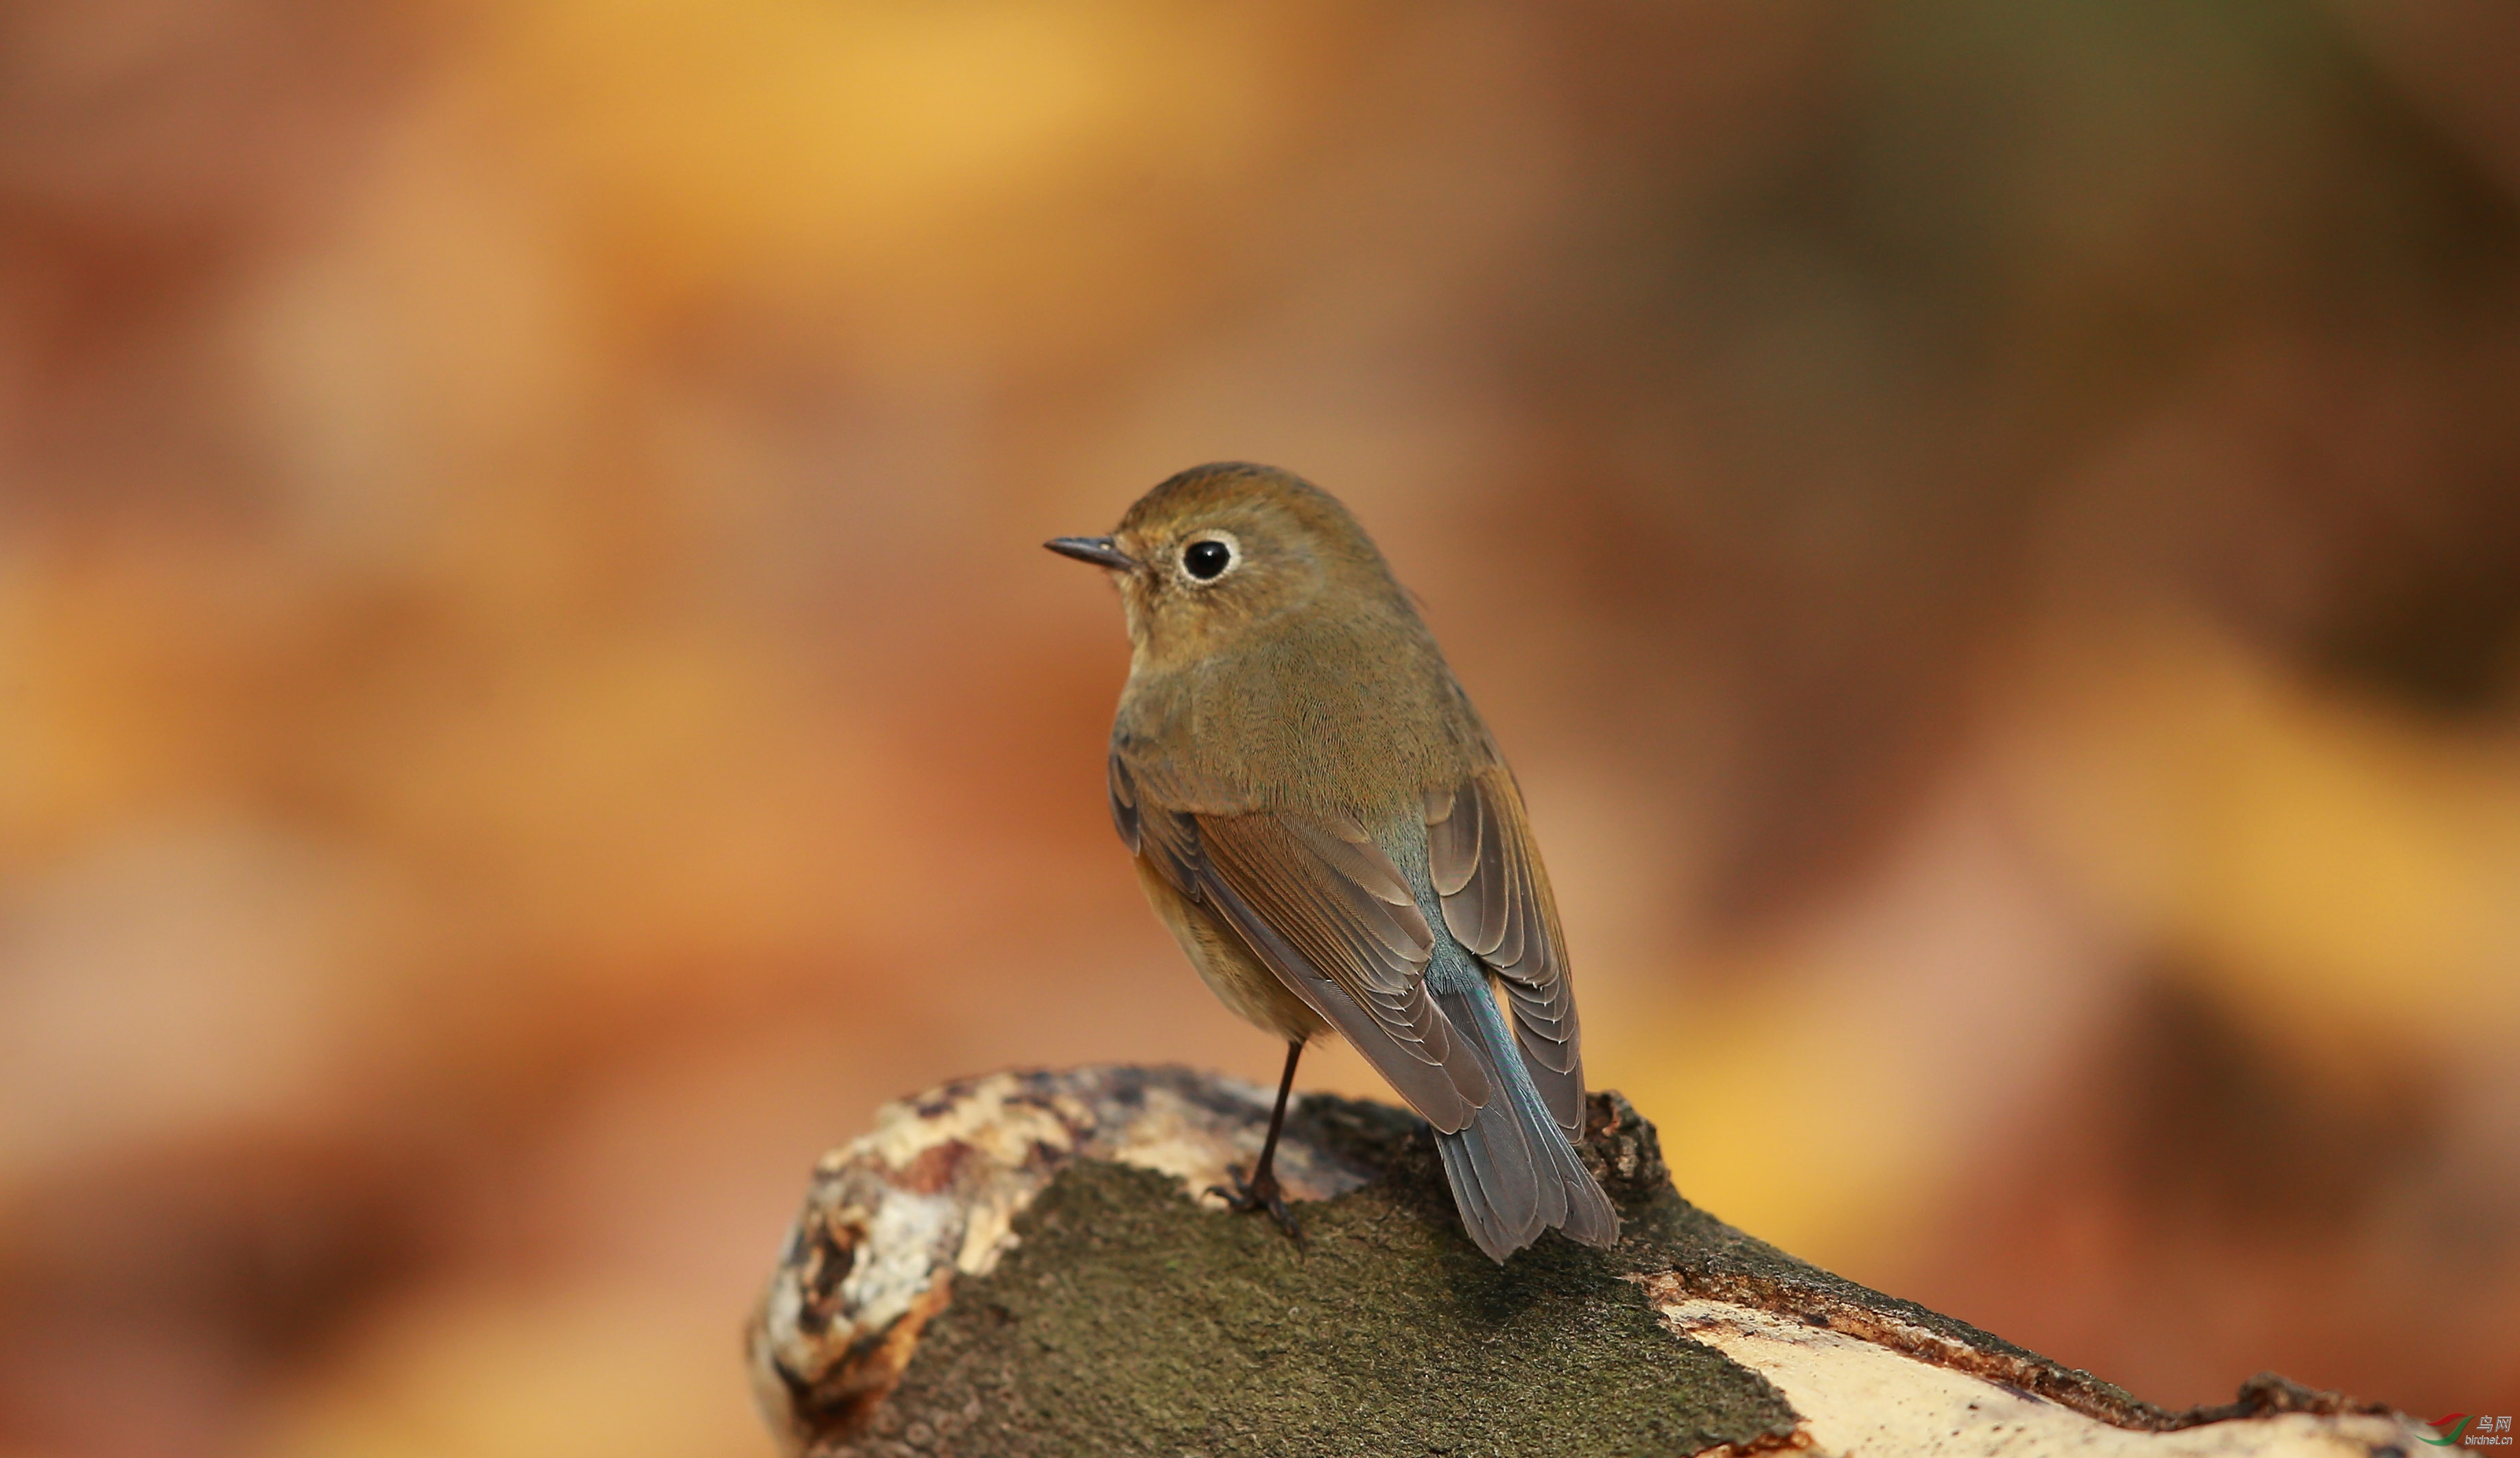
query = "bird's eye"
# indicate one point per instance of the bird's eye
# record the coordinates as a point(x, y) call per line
point(1205, 557)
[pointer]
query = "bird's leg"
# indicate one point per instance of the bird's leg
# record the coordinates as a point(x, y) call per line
point(1261, 1190)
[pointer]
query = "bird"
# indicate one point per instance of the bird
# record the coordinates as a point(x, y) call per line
point(1322, 821)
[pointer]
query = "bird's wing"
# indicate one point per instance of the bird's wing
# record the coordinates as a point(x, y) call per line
point(1168, 840)
point(1497, 903)
point(1327, 911)
point(1321, 906)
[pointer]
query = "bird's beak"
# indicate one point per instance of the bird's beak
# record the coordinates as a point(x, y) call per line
point(1096, 550)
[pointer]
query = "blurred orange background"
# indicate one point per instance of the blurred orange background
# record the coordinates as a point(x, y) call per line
point(530, 699)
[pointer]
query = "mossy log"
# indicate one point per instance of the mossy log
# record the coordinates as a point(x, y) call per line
point(1027, 1264)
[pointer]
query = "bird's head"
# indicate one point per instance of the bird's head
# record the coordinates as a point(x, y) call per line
point(1222, 551)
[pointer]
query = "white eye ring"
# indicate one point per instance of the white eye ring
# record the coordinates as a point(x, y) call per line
point(1190, 559)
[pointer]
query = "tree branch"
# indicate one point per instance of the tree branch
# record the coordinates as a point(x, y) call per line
point(1019, 1265)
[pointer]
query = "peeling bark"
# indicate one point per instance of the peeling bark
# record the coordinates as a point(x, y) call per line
point(1024, 1265)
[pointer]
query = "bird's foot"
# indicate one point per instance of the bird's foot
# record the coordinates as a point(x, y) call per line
point(1263, 1193)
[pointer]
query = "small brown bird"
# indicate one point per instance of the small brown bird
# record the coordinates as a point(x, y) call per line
point(1327, 829)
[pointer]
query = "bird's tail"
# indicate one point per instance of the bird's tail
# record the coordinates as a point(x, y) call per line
point(1512, 1172)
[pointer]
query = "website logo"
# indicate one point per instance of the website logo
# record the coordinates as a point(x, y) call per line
point(2474, 1431)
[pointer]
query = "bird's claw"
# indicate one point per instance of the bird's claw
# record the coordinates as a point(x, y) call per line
point(1264, 1193)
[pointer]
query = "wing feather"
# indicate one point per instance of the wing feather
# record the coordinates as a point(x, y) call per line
point(1327, 893)
point(1402, 1034)
point(1497, 903)
point(1167, 839)
point(1322, 907)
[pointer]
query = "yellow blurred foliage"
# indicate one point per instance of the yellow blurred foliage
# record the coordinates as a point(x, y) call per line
point(2328, 863)
point(919, 168)
point(2347, 876)
point(621, 1374)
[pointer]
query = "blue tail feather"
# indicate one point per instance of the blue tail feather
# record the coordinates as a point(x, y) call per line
point(1512, 1172)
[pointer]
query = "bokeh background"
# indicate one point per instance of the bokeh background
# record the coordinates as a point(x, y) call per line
point(531, 700)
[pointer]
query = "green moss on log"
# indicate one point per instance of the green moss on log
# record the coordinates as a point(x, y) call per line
point(1129, 1321)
